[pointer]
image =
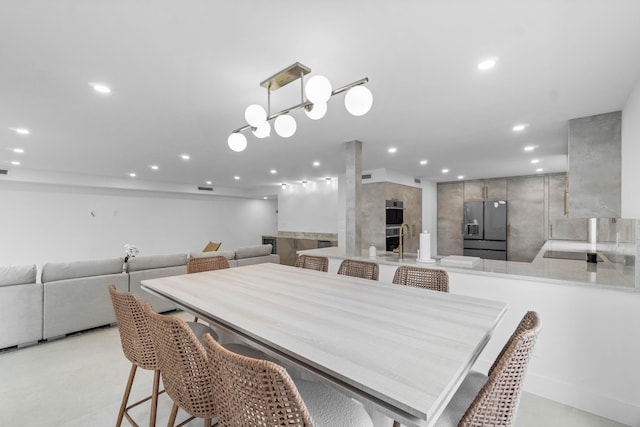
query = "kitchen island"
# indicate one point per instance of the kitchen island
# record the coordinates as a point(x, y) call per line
point(585, 356)
point(615, 270)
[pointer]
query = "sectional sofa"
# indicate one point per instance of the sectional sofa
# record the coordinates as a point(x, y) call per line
point(73, 296)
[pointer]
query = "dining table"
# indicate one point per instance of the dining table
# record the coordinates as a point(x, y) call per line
point(402, 351)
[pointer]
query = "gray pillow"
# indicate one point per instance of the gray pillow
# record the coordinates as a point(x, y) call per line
point(18, 274)
point(253, 251)
point(226, 254)
point(156, 261)
point(54, 271)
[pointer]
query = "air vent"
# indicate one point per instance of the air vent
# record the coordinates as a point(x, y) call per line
point(205, 188)
point(417, 180)
point(367, 176)
point(4, 172)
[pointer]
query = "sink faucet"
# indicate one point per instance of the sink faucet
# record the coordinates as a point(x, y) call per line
point(401, 247)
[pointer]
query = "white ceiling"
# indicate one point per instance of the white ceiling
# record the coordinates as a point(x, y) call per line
point(182, 73)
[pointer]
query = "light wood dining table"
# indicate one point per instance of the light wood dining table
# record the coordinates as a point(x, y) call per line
point(399, 350)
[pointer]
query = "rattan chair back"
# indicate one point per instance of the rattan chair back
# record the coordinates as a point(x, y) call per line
point(198, 265)
point(319, 263)
point(363, 269)
point(183, 365)
point(428, 278)
point(497, 402)
point(133, 326)
point(253, 392)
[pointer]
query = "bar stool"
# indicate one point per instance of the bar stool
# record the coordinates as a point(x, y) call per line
point(319, 263)
point(420, 277)
point(362, 269)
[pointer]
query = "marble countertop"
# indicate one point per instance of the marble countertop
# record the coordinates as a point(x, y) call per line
point(606, 274)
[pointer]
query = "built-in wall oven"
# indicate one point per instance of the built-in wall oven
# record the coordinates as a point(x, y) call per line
point(394, 211)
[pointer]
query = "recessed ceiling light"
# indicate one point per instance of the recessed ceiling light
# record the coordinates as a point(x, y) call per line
point(273, 171)
point(154, 167)
point(185, 156)
point(265, 197)
point(460, 176)
point(316, 163)
point(132, 175)
point(534, 161)
point(487, 64)
point(100, 88)
point(445, 170)
point(424, 162)
point(21, 131)
point(529, 148)
point(520, 127)
point(208, 182)
point(392, 150)
point(15, 163)
point(18, 150)
point(539, 170)
point(236, 178)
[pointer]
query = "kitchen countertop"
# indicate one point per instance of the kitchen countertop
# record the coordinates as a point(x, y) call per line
point(606, 274)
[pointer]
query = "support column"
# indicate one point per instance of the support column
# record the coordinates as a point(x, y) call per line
point(353, 184)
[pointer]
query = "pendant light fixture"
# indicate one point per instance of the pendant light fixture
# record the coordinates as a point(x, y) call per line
point(318, 91)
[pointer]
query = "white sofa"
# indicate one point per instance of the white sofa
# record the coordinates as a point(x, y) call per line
point(76, 295)
point(20, 306)
point(152, 267)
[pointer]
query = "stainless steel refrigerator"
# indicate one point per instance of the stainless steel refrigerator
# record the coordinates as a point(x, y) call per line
point(485, 229)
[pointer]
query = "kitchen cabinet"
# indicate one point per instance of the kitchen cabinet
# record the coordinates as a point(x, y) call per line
point(595, 166)
point(561, 227)
point(287, 247)
point(373, 214)
point(450, 217)
point(525, 217)
point(485, 189)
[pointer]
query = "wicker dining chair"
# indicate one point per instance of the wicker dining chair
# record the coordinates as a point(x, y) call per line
point(198, 265)
point(493, 399)
point(420, 277)
point(183, 363)
point(319, 263)
point(138, 347)
point(260, 393)
point(184, 366)
point(362, 269)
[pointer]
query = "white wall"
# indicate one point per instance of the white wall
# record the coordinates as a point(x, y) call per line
point(41, 223)
point(311, 208)
point(631, 155)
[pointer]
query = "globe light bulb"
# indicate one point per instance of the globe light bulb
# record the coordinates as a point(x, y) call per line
point(318, 89)
point(237, 142)
point(263, 131)
point(285, 125)
point(255, 115)
point(358, 100)
point(316, 111)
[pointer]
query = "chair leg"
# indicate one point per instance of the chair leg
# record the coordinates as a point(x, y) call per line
point(127, 391)
point(396, 424)
point(172, 416)
point(154, 398)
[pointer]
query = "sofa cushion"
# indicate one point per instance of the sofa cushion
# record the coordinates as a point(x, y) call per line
point(18, 274)
point(226, 254)
point(156, 261)
point(253, 251)
point(54, 271)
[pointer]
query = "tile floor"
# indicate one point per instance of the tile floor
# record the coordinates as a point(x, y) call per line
point(78, 381)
